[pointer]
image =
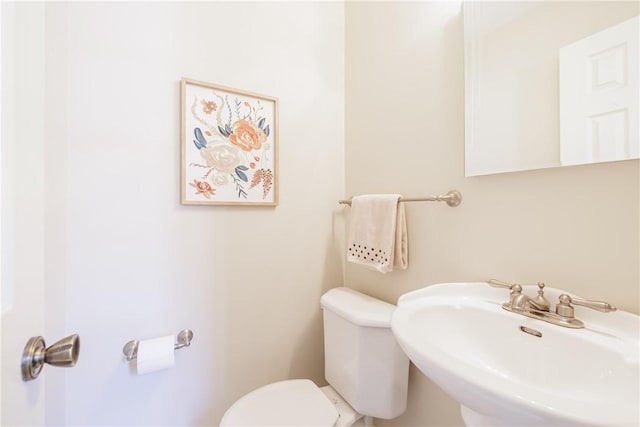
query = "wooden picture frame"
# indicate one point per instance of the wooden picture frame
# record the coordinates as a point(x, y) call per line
point(229, 143)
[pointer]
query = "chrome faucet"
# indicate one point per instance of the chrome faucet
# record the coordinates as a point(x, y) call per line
point(539, 307)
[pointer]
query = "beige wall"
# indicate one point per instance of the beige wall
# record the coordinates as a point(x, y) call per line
point(575, 228)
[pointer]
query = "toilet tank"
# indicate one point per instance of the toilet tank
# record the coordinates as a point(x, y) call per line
point(363, 361)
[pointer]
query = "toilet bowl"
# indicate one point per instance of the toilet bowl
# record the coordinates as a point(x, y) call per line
point(366, 370)
point(292, 403)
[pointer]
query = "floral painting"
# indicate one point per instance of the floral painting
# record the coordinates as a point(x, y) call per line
point(229, 146)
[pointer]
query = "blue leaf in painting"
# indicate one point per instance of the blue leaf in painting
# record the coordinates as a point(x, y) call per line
point(261, 122)
point(222, 131)
point(200, 141)
point(228, 129)
point(241, 175)
point(266, 130)
point(242, 168)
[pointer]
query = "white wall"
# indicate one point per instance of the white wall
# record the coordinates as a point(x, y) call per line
point(575, 228)
point(137, 264)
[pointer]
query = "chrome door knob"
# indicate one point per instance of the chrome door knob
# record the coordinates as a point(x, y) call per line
point(62, 353)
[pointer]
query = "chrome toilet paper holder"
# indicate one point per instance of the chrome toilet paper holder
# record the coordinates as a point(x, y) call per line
point(183, 339)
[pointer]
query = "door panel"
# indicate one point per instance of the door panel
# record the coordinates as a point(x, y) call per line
point(598, 96)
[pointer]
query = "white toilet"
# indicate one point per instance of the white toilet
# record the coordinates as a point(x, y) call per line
point(366, 369)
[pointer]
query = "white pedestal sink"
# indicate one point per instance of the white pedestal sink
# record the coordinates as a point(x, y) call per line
point(506, 369)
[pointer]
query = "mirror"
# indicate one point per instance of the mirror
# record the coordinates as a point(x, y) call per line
point(550, 84)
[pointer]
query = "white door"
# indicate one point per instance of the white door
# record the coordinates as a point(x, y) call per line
point(22, 213)
point(599, 96)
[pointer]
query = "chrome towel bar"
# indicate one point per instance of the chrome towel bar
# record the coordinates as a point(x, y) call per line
point(453, 198)
point(183, 339)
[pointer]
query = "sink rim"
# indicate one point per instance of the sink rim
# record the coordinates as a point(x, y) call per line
point(527, 397)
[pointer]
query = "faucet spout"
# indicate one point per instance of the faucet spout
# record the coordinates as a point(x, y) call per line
point(520, 301)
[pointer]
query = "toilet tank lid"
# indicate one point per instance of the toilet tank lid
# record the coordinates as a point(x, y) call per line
point(358, 308)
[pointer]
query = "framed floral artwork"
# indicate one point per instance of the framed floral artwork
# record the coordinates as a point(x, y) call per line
point(229, 140)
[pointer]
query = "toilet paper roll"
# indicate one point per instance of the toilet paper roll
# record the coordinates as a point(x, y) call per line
point(155, 355)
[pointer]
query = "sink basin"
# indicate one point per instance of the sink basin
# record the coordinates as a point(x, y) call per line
point(508, 369)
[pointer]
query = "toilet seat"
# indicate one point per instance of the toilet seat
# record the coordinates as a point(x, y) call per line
point(285, 403)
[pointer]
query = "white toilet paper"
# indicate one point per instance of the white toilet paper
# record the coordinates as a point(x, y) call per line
point(155, 354)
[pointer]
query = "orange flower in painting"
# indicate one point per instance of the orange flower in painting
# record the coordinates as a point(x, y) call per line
point(208, 106)
point(247, 136)
point(203, 187)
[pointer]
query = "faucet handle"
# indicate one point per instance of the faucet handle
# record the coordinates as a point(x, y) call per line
point(602, 306)
point(564, 307)
point(516, 298)
point(500, 284)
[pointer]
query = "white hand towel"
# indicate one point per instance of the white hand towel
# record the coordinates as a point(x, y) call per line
point(378, 232)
